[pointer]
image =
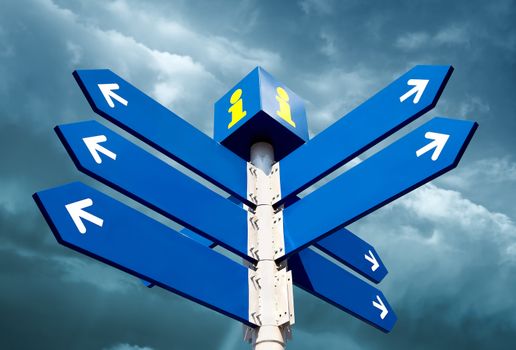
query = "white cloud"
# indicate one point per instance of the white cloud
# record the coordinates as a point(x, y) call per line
point(104, 277)
point(452, 35)
point(181, 68)
point(318, 7)
point(328, 48)
point(473, 107)
point(483, 171)
point(439, 247)
point(337, 92)
point(412, 41)
point(450, 209)
point(125, 346)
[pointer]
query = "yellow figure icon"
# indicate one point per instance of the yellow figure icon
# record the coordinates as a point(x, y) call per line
point(237, 107)
point(284, 107)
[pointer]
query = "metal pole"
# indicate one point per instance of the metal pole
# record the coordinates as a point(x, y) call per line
point(269, 335)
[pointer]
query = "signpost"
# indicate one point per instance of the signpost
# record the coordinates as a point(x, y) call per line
point(262, 157)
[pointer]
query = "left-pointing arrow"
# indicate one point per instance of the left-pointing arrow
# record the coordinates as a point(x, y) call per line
point(77, 214)
point(92, 143)
point(145, 248)
point(109, 95)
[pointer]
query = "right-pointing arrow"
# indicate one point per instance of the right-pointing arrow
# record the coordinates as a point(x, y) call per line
point(438, 142)
point(351, 250)
point(419, 86)
point(372, 259)
point(109, 95)
point(77, 213)
point(380, 306)
point(93, 146)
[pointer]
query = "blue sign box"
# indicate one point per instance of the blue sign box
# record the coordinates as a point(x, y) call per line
point(259, 108)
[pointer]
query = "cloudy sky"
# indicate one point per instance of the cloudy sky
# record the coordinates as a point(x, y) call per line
point(450, 246)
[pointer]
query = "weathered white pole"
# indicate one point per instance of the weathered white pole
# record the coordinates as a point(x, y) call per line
point(269, 335)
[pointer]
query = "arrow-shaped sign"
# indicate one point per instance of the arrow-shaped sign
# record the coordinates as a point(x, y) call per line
point(378, 180)
point(325, 280)
point(438, 143)
point(143, 247)
point(419, 86)
point(355, 253)
point(109, 95)
point(159, 186)
point(154, 124)
point(371, 122)
point(77, 213)
point(92, 143)
point(320, 277)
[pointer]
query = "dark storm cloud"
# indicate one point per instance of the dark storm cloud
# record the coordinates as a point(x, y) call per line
point(450, 247)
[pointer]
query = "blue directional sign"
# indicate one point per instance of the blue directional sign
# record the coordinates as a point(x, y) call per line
point(111, 159)
point(94, 224)
point(355, 253)
point(427, 152)
point(322, 278)
point(407, 98)
point(124, 105)
point(308, 234)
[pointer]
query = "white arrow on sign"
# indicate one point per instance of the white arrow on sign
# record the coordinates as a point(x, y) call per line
point(77, 213)
point(380, 306)
point(372, 259)
point(93, 146)
point(109, 95)
point(419, 86)
point(438, 142)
